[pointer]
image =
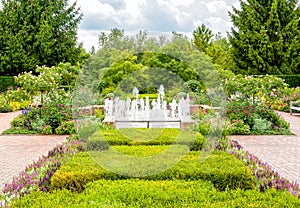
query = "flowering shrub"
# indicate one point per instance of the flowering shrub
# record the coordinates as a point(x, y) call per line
point(237, 127)
point(55, 116)
point(47, 80)
point(45, 90)
point(36, 177)
point(249, 88)
point(246, 118)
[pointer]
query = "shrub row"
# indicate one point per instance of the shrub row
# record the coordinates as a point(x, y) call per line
point(101, 139)
point(222, 169)
point(291, 80)
point(143, 193)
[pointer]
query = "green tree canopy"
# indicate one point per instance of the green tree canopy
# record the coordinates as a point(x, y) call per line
point(144, 62)
point(266, 37)
point(37, 32)
point(213, 45)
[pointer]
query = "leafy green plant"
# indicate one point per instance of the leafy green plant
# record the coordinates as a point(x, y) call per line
point(17, 130)
point(261, 125)
point(86, 128)
point(148, 193)
point(237, 128)
point(47, 130)
point(99, 114)
point(132, 137)
point(5, 82)
point(38, 124)
point(66, 127)
point(19, 121)
point(220, 168)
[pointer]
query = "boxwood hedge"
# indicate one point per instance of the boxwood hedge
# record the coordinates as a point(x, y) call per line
point(143, 193)
point(222, 169)
point(101, 139)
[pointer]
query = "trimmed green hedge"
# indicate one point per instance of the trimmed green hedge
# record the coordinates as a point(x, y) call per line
point(5, 82)
point(222, 169)
point(101, 139)
point(143, 193)
point(291, 80)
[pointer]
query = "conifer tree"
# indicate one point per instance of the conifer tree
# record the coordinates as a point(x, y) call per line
point(266, 37)
point(37, 32)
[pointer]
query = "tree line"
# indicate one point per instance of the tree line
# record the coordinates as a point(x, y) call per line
point(265, 38)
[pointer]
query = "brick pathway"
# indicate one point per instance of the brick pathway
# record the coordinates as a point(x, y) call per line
point(6, 118)
point(18, 151)
point(282, 153)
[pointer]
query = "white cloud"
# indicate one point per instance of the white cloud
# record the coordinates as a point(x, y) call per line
point(216, 7)
point(89, 38)
point(218, 24)
point(182, 16)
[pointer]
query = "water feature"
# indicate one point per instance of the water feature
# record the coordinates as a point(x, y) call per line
point(140, 113)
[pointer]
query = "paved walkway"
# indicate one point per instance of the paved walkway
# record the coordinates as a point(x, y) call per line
point(282, 153)
point(18, 151)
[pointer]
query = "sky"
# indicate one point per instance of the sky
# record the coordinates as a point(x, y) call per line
point(155, 16)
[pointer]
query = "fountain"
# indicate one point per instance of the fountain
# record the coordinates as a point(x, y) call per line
point(140, 113)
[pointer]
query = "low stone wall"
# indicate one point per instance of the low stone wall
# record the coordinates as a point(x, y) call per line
point(90, 110)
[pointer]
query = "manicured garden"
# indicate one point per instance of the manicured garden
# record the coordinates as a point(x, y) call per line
point(229, 177)
point(102, 166)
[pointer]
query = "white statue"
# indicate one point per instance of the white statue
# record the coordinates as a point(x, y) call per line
point(154, 105)
point(135, 92)
point(127, 105)
point(147, 107)
point(108, 107)
point(173, 108)
point(142, 104)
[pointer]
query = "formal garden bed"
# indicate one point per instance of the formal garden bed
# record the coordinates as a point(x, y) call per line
point(228, 177)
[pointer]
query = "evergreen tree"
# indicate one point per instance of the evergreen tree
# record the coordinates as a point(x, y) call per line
point(266, 37)
point(202, 37)
point(213, 45)
point(37, 32)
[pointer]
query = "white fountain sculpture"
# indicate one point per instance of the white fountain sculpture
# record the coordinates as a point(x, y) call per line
point(139, 113)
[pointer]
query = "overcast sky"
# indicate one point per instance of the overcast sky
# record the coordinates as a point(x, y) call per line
point(160, 16)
